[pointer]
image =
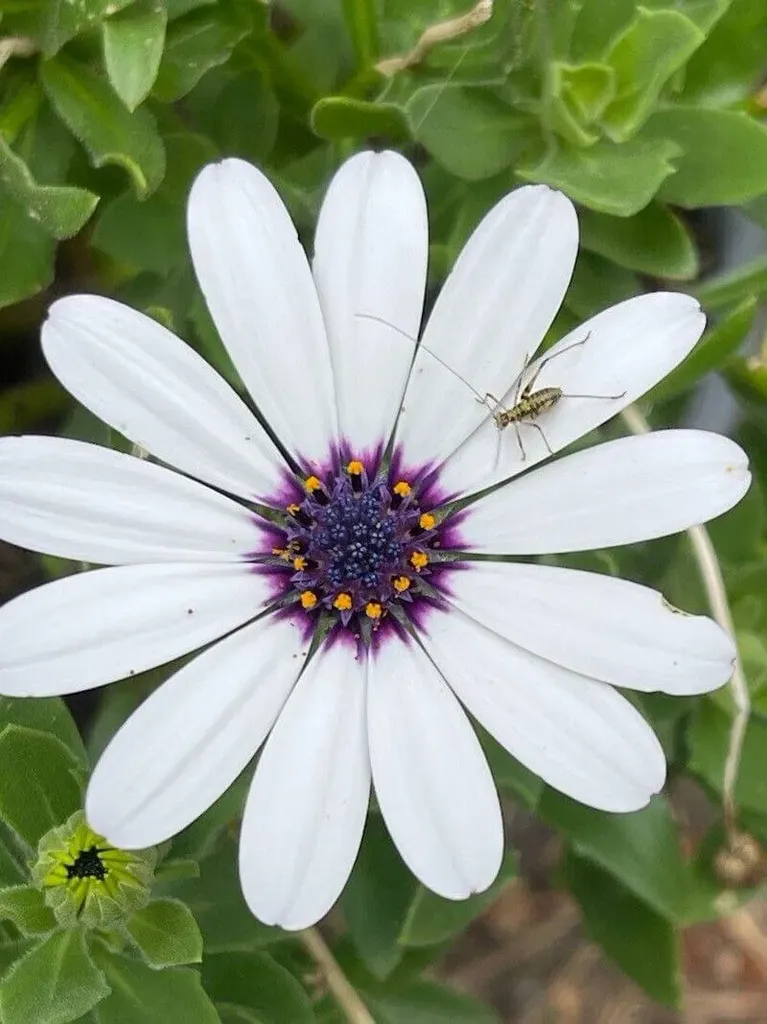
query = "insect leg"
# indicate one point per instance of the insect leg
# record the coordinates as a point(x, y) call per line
point(519, 440)
point(547, 359)
point(568, 395)
point(539, 428)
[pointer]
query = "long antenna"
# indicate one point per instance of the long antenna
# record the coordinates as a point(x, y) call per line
point(455, 373)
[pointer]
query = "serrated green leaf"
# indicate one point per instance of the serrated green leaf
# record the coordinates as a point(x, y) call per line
point(722, 155)
point(641, 849)
point(432, 919)
point(24, 907)
point(652, 48)
point(641, 941)
point(619, 180)
point(255, 983)
point(110, 133)
point(376, 899)
point(54, 983)
point(133, 44)
point(26, 254)
point(172, 996)
point(654, 241)
point(342, 117)
point(46, 714)
point(38, 782)
point(166, 934)
point(61, 210)
point(712, 352)
point(14, 855)
point(728, 66)
point(468, 131)
point(194, 45)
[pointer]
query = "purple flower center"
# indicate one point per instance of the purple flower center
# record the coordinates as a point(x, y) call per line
point(361, 551)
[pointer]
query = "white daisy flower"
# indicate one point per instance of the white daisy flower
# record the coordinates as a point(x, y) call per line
point(362, 562)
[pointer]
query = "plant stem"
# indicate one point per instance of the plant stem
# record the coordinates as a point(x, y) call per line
point(713, 583)
point(345, 995)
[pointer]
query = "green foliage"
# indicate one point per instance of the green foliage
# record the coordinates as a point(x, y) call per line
point(640, 113)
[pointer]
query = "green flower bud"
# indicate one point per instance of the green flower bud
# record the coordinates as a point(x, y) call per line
point(86, 880)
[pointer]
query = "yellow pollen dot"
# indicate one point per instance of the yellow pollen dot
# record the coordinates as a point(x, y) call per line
point(401, 583)
point(313, 483)
point(308, 599)
point(354, 468)
point(293, 509)
point(418, 560)
point(402, 488)
point(343, 602)
point(299, 563)
point(427, 521)
point(373, 610)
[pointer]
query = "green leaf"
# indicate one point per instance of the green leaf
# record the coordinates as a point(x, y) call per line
point(61, 210)
point(579, 95)
point(598, 283)
point(723, 155)
point(468, 131)
point(56, 982)
point(746, 281)
point(713, 350)
point(64, 20)
point(425, 1002)
point(432, 919)
point(257, 986)
point(653, 47)
point(194, 45)
point(26, 254)
point(376, 899)
point(508, 773)
point(24, 907)
point(110, 133)
point(10, 952)
point(45, 714)
point(166, 934)
point(728, 66)
point(133, 44)
point(362, 23)
point(341, 117)
point(709, 741)
point(38, 782)
point(654, 241)
point(240, 113)
point(215, 899)
point(14, 855)
point(151, 234)
point(619, 180)
point(641, 941)
point(640, 850)
point(172, 996)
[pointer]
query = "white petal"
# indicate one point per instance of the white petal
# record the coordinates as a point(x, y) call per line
point(580, 736)
point(371, 251)
point(193, 736)
point(600, 626)
point(631, 489)
point(259, 290)
point(627, 349)
point(306, 808)
point(494, 309)
point(431, 779)
point(83, 502)
point(150, 386)
point(95, 627)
